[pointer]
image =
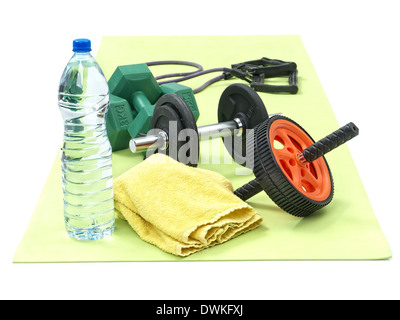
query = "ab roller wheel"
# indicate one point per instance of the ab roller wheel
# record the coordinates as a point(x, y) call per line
point(290, 167)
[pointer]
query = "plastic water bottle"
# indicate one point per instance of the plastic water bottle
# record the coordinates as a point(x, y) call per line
point(83, 99)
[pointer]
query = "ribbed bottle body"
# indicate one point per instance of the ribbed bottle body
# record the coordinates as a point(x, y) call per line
point(86, 163)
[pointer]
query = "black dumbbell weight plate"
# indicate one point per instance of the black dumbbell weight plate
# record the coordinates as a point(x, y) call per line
point(240, 101)
point(171, 107)
point(166, 119)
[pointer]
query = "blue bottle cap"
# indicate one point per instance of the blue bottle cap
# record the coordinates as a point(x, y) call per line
point(81, 45)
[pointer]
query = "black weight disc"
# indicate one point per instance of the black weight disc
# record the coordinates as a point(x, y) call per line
point(299, 189)
point(187, 143)
point(166, 119)
point(240, 101)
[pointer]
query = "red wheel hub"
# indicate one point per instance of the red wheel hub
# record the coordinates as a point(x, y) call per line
point(311, 179)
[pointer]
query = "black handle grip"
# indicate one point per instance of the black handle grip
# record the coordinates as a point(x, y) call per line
point(248, 190)
point(330, 142)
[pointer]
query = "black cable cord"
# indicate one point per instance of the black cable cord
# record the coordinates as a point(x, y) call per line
point(189, 75)
point(177, 62)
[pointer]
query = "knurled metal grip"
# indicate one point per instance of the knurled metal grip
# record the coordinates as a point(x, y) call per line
point(330, 142)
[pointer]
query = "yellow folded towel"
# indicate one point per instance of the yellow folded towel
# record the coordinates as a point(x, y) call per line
point(181, 209)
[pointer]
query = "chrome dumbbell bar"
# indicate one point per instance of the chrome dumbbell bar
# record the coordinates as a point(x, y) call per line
point(219, 130)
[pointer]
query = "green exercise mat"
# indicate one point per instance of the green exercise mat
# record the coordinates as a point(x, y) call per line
point(346, 229)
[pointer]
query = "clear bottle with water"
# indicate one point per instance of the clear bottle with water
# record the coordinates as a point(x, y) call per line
point(83, 100)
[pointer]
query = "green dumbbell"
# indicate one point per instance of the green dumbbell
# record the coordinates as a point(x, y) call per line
point(133, 94)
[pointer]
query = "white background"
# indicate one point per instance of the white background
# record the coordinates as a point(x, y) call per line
point(354, 46)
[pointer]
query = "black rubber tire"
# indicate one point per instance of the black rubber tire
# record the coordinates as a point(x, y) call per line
point(274, 182)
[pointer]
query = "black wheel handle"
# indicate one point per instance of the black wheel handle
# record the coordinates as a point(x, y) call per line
point(311, 153)
point(330, 142)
